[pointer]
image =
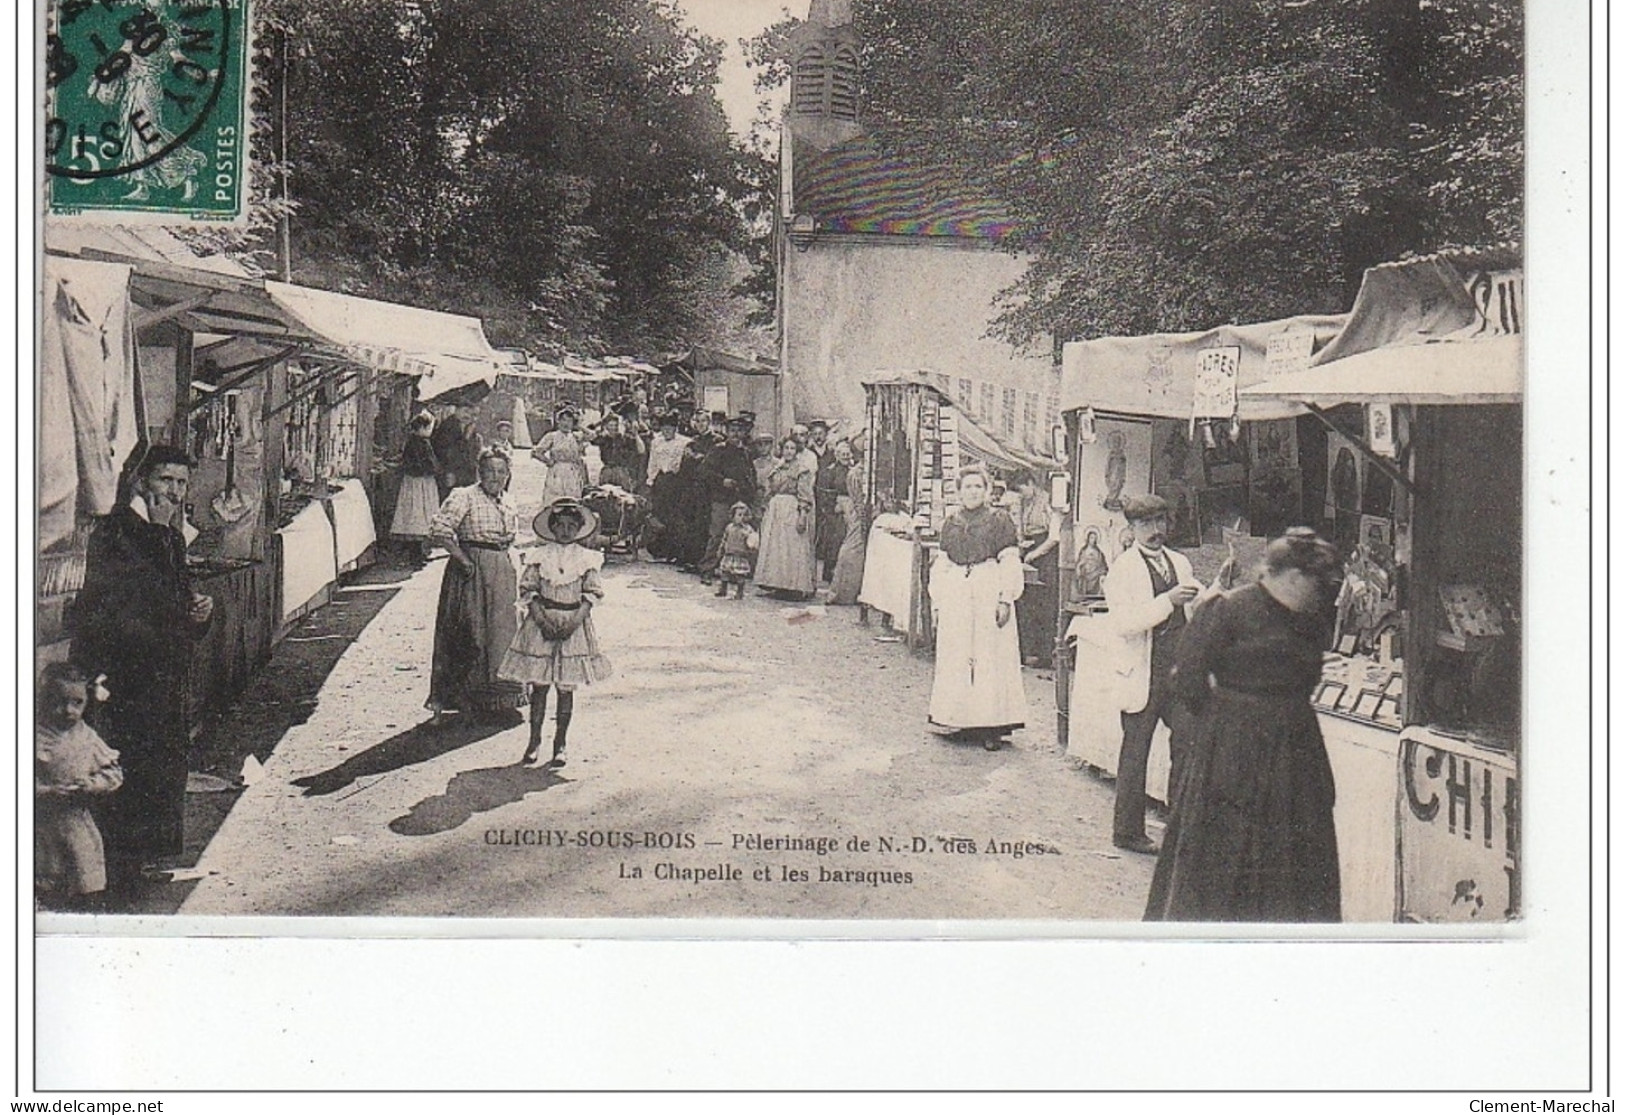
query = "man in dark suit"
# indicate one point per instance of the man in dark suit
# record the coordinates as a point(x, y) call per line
point(730, 478)
point(457, 447)
point(135, 622)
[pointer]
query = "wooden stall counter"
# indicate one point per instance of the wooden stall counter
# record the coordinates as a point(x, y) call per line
point(241, 630)
point(888, 575)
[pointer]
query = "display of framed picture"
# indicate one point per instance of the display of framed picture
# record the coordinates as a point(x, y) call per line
point(1116, 466)
point(1275, 501)
point(1177, 473)
point(1377, 537)
point(1379, 429)
point(1274, 444)
point(1221, 509)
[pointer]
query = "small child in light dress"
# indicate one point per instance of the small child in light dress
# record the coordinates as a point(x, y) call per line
point(556, 645)
point(71, 766)
point(739, 544)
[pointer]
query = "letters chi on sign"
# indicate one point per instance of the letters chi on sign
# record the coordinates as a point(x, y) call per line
point(1459, 832)
point(146, 109)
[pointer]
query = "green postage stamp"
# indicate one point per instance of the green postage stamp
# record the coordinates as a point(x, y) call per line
point(147, 109)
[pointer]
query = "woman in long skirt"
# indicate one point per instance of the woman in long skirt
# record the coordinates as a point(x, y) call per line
point(691, 519)
point(848, 581)
point(975, 581)
point(786, 562)
point(1037, 609)
point(1251, 837)
point(475, 622)
point(565, 457)
point(419, 495)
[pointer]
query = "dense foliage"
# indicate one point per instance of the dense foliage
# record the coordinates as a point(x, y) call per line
point(1179, 164)
point(562, 170)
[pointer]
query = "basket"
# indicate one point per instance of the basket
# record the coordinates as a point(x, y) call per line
point(556, 624)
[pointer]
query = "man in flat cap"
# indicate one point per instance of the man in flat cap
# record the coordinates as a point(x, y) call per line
point(1149, 593)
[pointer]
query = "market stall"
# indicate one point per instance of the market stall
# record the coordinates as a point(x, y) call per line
point(273, 389)
point(1427, 386)
point(1174, 415)
point(732, 383)
point(918, 440)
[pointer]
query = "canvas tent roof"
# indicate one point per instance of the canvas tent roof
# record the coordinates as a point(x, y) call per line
point(215, 295)
point(979, 441)
point(449, 350)
point(1419, 334)
point(709, 359)
point(1155, 375)
point(1480, 370)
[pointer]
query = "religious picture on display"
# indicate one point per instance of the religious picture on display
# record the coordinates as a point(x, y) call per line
point(1274, 444)
point(1115, 466)
point(1177, 473)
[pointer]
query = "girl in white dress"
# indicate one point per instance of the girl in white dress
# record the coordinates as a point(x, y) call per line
point(563, 453)
point(556, 645)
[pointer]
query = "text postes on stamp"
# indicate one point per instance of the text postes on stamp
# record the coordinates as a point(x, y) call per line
point(146, 109)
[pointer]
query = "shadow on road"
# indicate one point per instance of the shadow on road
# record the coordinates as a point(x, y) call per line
point(282, 694)
point(470, 792)
point(417, 744)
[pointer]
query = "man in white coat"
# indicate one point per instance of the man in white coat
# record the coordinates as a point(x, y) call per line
point(1149, 593)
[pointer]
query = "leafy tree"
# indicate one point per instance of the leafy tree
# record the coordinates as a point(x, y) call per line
point(562, 170)
point(1185, 163)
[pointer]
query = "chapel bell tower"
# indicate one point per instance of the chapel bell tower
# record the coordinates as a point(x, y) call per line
point(824, 76)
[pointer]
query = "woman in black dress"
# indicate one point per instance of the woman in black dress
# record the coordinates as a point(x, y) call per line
point(1251, 837)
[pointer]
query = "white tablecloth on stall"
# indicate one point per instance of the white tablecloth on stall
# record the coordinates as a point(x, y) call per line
point(353, 528)
point(307, 557)
point(1094, 724)
point(888, 576)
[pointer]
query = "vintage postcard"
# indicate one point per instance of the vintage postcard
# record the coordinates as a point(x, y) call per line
point(651, 468)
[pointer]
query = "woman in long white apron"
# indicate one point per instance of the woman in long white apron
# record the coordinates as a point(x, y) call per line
point(976, 578)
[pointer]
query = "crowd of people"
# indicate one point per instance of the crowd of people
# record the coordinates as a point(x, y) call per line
point(1250, 833)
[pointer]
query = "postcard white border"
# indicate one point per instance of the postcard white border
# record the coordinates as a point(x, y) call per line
point(432, 1012)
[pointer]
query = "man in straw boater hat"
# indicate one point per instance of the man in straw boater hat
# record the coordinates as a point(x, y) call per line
point(1150, 591)
point(556, 645)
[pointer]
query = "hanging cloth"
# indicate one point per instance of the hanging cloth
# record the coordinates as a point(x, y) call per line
point(86, 392)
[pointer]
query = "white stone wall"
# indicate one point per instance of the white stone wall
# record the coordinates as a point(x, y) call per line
point(857, 307)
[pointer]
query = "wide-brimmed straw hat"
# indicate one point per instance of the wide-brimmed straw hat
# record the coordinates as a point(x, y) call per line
point(543, 523)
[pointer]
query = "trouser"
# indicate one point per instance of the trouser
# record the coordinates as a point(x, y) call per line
point(720, 514)
point(1128, 815)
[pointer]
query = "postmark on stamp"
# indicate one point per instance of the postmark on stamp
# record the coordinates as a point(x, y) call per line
point(146, 109)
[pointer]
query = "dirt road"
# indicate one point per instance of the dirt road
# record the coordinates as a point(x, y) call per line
point(735, 766)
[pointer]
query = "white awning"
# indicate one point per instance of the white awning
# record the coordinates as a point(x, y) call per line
point(1155, 375)
point(448, 350)
point(1439, 373)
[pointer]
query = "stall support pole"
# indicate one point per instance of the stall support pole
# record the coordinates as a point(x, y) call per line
point(1378, 462)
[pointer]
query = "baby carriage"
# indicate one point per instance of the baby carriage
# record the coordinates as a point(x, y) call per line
point(621, 518)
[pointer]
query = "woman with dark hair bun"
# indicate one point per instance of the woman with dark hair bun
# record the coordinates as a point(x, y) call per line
point(475, 622)
point(976, 580)
point(1251, 837)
